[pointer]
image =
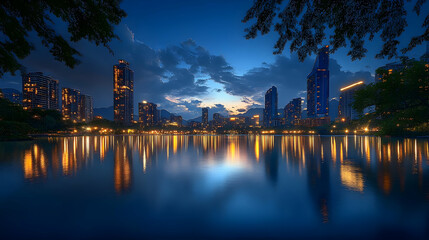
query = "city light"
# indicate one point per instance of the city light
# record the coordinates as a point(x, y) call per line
point(351, 85)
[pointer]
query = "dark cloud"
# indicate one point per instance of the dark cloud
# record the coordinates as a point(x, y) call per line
point(156, 72)
point(289, 75)
point(175, 76)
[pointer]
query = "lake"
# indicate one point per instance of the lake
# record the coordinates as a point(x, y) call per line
point(226, 186)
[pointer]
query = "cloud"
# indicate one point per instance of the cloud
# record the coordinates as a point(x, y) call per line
point(289, 75)
point(180, 77)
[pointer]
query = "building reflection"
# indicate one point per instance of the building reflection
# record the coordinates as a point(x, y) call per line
point(318, 177)
point(392, 168)
point(122, 165)
point(35, 163)
point(271, 158)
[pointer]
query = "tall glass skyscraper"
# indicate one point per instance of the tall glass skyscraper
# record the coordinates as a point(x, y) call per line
point(270, 110)
point(318, 86)
point(123, 93)
point(39, 91)
point(205, 117)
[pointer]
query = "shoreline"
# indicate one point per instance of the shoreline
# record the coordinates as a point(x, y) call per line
point(31, 137)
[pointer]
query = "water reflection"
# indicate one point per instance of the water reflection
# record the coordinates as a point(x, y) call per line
point(326, 178)
point(356, 159)
point(123, 160)
point(34, 163)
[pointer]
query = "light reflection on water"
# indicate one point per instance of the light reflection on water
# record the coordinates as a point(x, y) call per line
point(232, 186)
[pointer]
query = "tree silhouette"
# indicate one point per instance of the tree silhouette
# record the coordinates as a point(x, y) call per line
point(401, 100)
point(305, 24)
point(92, 20)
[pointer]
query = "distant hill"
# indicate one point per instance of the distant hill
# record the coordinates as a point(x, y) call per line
point(106, 112)
point(259, 111)
point(197, 119)
point(164, 114)
point(252, 111)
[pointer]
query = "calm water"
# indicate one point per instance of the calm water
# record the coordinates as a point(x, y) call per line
point(214, 186)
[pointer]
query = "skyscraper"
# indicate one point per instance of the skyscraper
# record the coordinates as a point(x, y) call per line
point(345, 109)
point(318, 86)
point(70, 104)
point(85, 108)
point(39, 91)
point(12, 95)
point(218, 120)
point(123, 93)
point(148, 114)
point(399, 66)
point(270, 110)
point(292, 111)
point(176, 120)
point(205, 117)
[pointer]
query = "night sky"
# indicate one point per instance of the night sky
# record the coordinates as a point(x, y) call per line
point(192, 54)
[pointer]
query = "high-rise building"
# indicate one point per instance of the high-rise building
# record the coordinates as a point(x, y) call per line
point(270, 110)
point(333, 108)
point(345, 109)
point(12, 95)
point(148, 114)
point(400, 65)
point(70, 104)
point(176, 120)
point(39, 91)
point(86, 111)
point(254, 121)
point(123, 93)
point(318, 86)
point(292, 111)
point(205, 117)
point(218, 120)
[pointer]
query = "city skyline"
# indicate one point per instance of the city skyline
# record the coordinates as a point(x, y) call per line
point(41, 91)
point(164, 74)
point(260, 119)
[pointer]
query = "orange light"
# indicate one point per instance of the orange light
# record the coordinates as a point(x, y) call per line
point(351, 85)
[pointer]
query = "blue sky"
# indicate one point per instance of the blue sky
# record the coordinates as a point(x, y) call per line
point(190, 54)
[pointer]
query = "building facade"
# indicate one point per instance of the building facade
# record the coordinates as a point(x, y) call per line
point(123, 93)
point(176, 120)
point(318, 86)
point(86, 109)
point(292, 111)
point(399, 66)
point(270, 110)
point(148, 114)
point(70, 99)
point(345, 109)
point(254, 121)
point(218, 120)
point(12, 95)
point(205, 117)
point(39, 91)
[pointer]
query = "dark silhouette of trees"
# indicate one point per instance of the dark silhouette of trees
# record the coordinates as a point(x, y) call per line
point(16, 123)
point(305, 24)
point(92, 20)
point(401, 100)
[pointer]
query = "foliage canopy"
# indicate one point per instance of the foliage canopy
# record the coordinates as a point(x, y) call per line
point(305, 24)
point(92, 20)
point(401, 100)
